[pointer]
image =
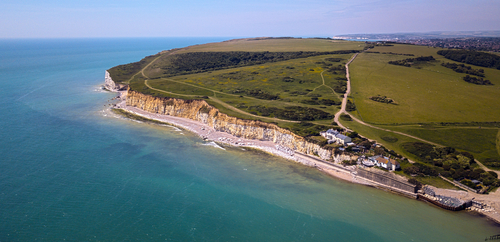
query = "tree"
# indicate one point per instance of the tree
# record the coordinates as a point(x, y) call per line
point(415, 182)
point(411, 170)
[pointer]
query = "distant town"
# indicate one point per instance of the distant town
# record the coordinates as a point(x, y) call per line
point(480, 41)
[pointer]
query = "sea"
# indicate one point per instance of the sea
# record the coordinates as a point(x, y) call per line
point(72, 171)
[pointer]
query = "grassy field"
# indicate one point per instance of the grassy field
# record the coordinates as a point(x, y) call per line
point(498, 142)
point(426, 95)
point(276, 45)
point(282, 92)
point(432, 102)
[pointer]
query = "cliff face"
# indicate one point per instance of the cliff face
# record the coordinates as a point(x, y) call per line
point(111, 85)
point(201, 111)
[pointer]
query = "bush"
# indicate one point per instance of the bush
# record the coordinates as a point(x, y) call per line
point(390, 139)
point(472, 57)
point(345, 117)
point(415, 182)
point(350, 106)
point(411, 170)
point(493, 174)
point(468, 183)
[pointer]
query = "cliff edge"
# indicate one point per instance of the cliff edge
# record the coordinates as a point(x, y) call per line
point(202, 112)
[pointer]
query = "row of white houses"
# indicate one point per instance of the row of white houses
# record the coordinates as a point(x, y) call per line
point(335, 136)
point(380, 161)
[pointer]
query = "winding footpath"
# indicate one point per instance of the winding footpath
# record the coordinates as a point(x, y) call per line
point(348, 91)
point(342, 111)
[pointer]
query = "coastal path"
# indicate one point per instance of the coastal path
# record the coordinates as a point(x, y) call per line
point(223, 104)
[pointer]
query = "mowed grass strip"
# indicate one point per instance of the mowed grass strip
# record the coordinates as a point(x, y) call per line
point(427, 93)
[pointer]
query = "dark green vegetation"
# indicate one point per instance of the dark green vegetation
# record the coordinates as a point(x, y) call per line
point(382, 99)
point(412, 61)
point(283, 81)
point(434, 102)
point(298, 84)
point(477, 80)
point(449, 163)
point(291, 113)
point(122, 73)
point(345, 117)
point(461, 68)
point(472, 57)
point(198, 62)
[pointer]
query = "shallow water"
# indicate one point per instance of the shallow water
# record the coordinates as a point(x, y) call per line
point(70, 172)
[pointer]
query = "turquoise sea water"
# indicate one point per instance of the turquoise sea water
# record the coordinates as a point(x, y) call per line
point(68, 172)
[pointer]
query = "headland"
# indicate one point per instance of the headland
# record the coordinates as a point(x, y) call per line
point(221, 110)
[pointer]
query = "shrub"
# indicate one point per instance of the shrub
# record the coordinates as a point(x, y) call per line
point(415, 182)
point(390, 139)
point(468, 183)
point(411, 170)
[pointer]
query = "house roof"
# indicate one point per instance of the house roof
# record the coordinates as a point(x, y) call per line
point(382, 160)
point(342, 137)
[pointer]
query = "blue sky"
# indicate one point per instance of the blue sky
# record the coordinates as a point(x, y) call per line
point(235, 18)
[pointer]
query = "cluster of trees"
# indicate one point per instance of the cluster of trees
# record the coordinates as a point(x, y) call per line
point(257, 93)
point(341, 85)
point(123, 73)
point(339, 69)
point(410, 61)
point(477, 80)
point(291, 79)
point(306, 129)
point(316, 101)
point(448, 162)
point(382, 99)
point(461, 68)
point(388, 53)
point(350, 106)
point(472, 57)
point(296, 113)
point(345, 117)
point(196, 62)
point(331, 59)
point(371, 45)
point(492, 162)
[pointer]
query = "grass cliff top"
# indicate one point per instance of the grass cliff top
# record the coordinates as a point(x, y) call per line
point(403, 91)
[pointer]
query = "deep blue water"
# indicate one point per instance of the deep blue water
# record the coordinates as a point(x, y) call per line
point(70, 171)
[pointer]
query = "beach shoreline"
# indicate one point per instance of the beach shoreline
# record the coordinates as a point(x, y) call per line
point(338, 171)
point(208, 133)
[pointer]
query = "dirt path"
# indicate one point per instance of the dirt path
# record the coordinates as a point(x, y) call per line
point(323, 79)
point(248, 114)
point(348, 91)
point(223, 104)
point(342, 110)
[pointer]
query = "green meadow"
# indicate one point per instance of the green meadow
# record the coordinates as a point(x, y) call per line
point(432, 102)
point(283, 92)
point(298, 84)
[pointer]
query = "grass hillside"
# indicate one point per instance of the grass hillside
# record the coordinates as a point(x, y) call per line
point(295, 83)
point(408, 93)
point(431, 101)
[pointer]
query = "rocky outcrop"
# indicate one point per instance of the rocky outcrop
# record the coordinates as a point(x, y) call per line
point(111, 85)
point(201, 111)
